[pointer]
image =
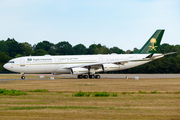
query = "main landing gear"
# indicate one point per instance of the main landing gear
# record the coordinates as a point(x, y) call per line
point(88, 76)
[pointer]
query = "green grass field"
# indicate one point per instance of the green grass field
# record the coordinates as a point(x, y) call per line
point(137, 99)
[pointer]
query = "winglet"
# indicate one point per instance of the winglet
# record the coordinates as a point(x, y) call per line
point(153, 43)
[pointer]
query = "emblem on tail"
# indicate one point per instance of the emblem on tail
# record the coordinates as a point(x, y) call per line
point(153, 47)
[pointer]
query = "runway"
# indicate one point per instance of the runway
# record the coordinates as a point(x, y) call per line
point(132, 75)
point(103, 76)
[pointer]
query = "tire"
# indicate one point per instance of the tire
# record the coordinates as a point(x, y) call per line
point(91, 76)
point(79, 76)
point(85, 76)
point(22, 77)
point(97, 76)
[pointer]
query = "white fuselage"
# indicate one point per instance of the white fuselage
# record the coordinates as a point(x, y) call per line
point(60, 64)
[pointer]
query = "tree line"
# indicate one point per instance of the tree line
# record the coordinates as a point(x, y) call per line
point(10, 48)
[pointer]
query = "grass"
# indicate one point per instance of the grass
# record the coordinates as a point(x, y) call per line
point(101, 94)
point(38, 90)
point(131, 92)
point(94, 94)
point(155, 92)
point(124, 93)
point(178, 92)
point(11, 92)
point(81, 94)
point(142, 92)
point(114, 94)
point(142, 99)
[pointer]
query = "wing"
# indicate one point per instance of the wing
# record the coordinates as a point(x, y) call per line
point(99, 64)
point(120, 62)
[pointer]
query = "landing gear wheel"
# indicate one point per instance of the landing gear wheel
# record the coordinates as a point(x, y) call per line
point(91, 76)
point(85, 76)
point(22, 77)
point(79, 76)
point(97, 76)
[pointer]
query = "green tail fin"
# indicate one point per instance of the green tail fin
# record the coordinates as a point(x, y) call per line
point(153, 43)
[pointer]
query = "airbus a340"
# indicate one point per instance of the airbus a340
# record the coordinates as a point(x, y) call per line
point(85, 66)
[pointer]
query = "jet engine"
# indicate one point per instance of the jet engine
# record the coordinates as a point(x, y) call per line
point(78, 71)
point(110, 67)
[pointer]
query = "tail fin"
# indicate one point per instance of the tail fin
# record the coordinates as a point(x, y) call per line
point(153, 43)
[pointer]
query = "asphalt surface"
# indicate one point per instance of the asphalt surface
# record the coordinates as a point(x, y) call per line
point(114, 76)
point(132, 75)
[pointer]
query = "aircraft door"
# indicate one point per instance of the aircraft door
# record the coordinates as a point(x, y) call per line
point(100, 59)
point(22, 63)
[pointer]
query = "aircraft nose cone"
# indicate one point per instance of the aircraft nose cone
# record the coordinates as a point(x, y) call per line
point(5, 66)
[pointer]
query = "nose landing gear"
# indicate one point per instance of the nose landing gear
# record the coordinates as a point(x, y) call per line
point(22, 77)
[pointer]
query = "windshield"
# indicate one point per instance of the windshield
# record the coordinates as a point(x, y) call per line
point(11, 62)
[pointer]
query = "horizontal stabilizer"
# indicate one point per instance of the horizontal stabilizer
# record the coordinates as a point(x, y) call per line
point(157, 56)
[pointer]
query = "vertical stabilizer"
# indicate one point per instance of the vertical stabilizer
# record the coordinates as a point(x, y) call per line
point(153, 43)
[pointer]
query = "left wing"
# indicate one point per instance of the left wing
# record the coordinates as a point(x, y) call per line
point(99, 64)
point(120, 62)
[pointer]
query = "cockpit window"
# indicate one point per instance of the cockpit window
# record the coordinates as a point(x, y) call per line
point(11, 62)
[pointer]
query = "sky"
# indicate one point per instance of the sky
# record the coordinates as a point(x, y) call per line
point(121, 23)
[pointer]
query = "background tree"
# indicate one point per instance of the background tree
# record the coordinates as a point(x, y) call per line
point(98, 49)
point(52, 50)
point(40, 52)
point(79, 49)
point(64, 48)
point(135, 50)
point(45, 45)
point(13, 47)
point(102, 49)
point(3, 59)
point(165, 48)
point(128, 52)
point(3, 47)
point(91, 49)
point(117, 50)
point(25, 49)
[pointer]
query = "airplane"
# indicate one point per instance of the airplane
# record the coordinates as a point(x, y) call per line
point(86, 66)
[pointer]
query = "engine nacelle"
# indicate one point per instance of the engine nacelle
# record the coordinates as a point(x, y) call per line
point(110, 67)
point(78, 71)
